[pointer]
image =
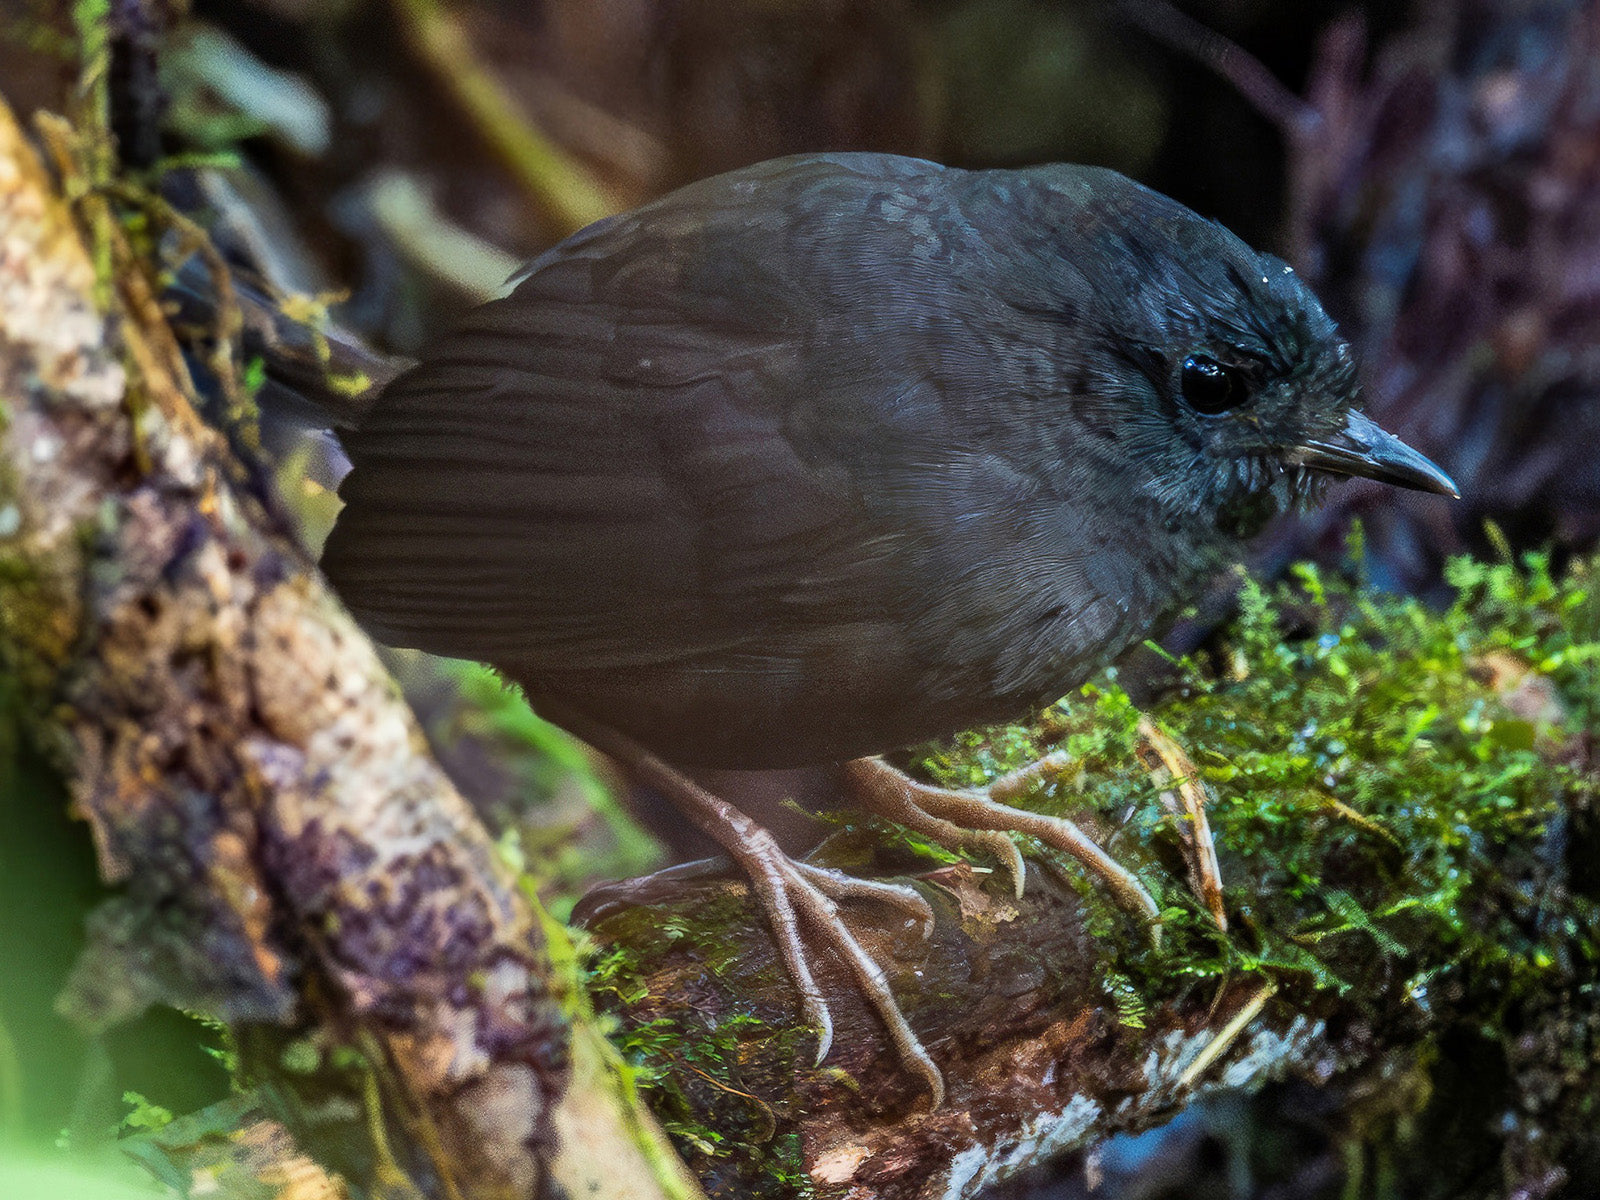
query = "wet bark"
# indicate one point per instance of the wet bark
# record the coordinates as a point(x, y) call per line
point(290, 858)
point(1018, 1002)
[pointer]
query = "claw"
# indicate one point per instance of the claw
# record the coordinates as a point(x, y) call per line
point(1001, 847)
point(824, 915)
point(820, 1018)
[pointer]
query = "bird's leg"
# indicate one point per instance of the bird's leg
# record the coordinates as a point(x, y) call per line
point(792, 893)
point(798, 898)
point(972, 817)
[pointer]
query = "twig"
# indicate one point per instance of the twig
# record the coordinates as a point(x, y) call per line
point(1226, 1036)
point(229, 320)
point(1249, 76)
point(426, 237)
point(1167, 762)
point(561, 185)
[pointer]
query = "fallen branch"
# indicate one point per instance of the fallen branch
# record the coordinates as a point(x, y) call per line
point(1040, 1041)
point(1403, 818)
point(290, 858)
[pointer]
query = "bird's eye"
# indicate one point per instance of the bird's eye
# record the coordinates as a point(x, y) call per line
point(1211, 388)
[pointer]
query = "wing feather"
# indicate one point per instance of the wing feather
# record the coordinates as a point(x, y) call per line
point(599, 470)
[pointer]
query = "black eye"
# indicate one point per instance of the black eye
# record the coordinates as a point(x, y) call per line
point(1211, 388)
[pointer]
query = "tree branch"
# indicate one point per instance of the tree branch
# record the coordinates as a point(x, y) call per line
point(291, 858)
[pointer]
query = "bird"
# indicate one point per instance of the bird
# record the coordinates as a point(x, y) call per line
point(837, 453)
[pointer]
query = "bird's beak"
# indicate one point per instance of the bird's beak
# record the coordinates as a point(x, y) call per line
point(1363, 449)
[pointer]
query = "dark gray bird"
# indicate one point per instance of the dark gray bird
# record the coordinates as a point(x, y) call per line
point(837, 453)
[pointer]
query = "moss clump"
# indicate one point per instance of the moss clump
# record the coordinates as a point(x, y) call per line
point(717, 1076)
point(1404, 806)
point(1388, 779)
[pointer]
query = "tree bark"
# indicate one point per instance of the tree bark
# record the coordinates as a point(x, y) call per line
point(1042, 1047)
point(291, 859)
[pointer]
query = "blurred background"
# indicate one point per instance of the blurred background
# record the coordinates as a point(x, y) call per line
point(1433, 168)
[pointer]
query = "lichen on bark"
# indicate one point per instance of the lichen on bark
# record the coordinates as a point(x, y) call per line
point(290, 858)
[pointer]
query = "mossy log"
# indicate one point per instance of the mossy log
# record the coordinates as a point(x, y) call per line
point(1404, 808)
point(1012, 998)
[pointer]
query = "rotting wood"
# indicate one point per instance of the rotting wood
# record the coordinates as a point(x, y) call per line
point(290, 857)
point(1011, 997)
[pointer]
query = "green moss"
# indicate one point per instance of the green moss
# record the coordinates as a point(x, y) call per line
point(719, 1078)
point(1377, 803)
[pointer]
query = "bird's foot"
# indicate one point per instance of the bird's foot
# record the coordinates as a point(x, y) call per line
point(798, 898)
point(983, 819)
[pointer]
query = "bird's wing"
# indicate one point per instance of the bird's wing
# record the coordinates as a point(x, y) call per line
point(612, 466)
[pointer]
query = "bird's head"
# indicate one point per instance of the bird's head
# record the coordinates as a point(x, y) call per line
point(1219, 374)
